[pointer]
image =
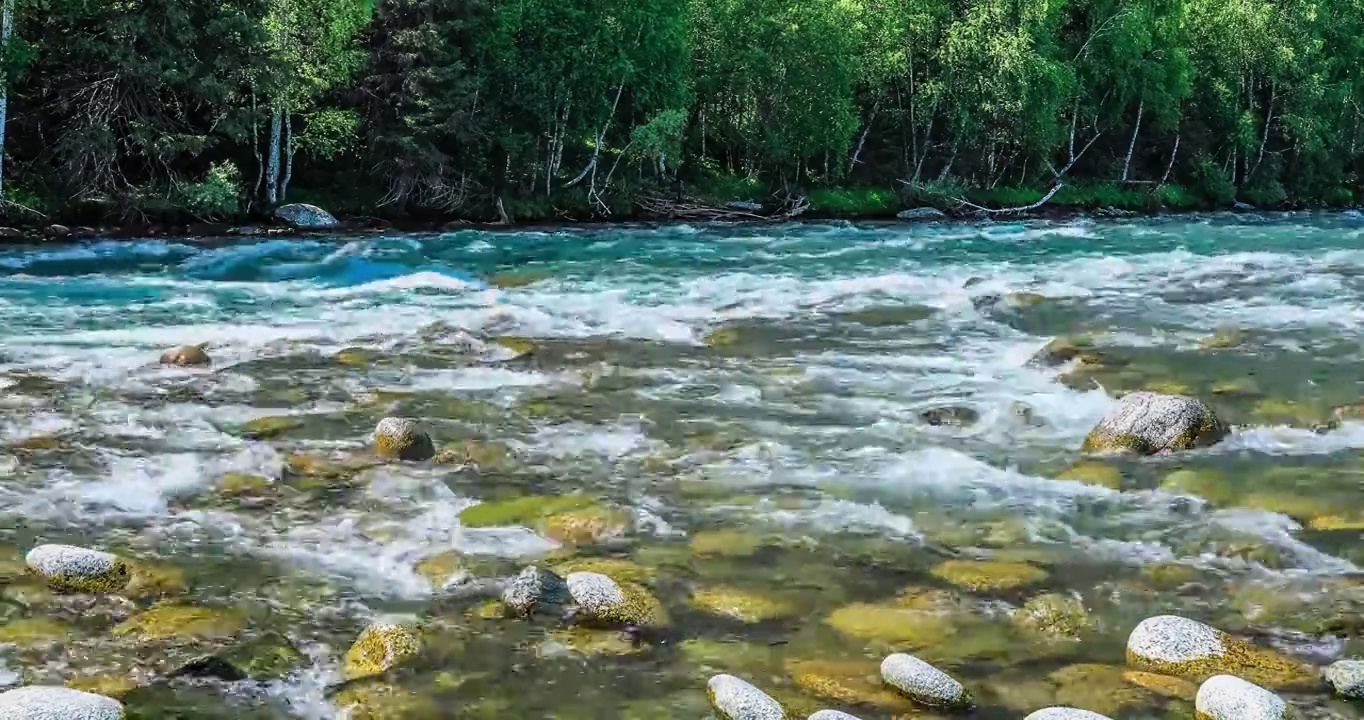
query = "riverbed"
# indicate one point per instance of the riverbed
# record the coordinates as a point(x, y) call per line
point(790, 434)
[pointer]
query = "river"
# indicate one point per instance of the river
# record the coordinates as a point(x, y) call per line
point(783, 431)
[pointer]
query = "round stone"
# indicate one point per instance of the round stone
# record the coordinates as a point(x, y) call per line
point(734, 699)
point(1147, 423)
point(1226, 697)
point(602, 600)
point(1166, 643)
point(536, 589)
point(1065, 713)
point(1347, 677)
point(380, 647)
point(832, 715)
point(923, 683)
point(76, 569)
point(41, 702)
point(403, 439)
point(185, 356)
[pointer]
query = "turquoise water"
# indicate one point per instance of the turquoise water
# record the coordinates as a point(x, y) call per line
point(771, 380)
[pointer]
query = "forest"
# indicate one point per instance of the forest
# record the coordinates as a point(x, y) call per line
point(214, 110)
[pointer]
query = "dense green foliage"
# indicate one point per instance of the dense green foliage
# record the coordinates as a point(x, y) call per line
point(557, 108)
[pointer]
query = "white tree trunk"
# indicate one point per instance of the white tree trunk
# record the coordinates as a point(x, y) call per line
point(1132, 144)
point(272, 169)
point(6, 28)
point(288, 159)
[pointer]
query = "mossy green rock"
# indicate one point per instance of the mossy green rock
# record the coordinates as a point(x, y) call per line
point(616, 568)
point(729, 543)
point(1099, 688)
point(28, 632)
point(66, 568)
point(892, 625)
point(1211, 485)
point(847, 682)
point(524, 511)
point(1093, 473)
point(174, 621)
point(153, 580)
point(270, 656)
point(988, 575)
point(602, 601)
point(373, 699)
point(741, 605)
point(587, 525)
point(1053, 615)
point(265, 428)
point(380, 647)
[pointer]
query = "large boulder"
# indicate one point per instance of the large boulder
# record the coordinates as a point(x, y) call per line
point(1178, 646)
point(380, 647)
point(42, 702)
point(600, 600)
point(304, 216)
point(1149, 423)
point(1347, 677)
point(67, 568)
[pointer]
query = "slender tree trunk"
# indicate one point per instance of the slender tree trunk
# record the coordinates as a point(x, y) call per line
point(6, 28)
point(1269, 121)
point(288, 158)
point(255, 147)
point(1170, 168)
point(863, 139)
point(272, 172)
point(1132, 144)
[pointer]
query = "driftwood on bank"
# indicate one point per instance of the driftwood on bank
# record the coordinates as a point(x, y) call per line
point(690, 209)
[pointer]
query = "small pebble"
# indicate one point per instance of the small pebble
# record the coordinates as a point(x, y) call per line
point(43, 702)
point(1226, 697)
point(735, 699)
point(1347, 677)
point(924, 683)
point(403, 439)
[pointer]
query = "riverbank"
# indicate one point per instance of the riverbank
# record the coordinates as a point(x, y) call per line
point(824, 206)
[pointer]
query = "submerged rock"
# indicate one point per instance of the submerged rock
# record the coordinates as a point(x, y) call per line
point(741, 605)
point(43, 702)
point(186, 356)
point(1093, 473)
point(601, 600)
point(1065, 713)
point(924, 683)
point(1347, 677)
point(379, 647)
point(1148, 423)
point(951, 416)
point(164, 622)
point(536, 590)
point(1173, 645)
point(986, 575)
point(403, 439)
point(67, 568)
point(849, 682)
point(1053, 615)
point(734, 699)
point(1225, 697)
point(302, 215)
point(900, 626)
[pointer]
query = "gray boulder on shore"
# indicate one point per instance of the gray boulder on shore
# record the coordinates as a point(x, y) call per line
point(304, 216)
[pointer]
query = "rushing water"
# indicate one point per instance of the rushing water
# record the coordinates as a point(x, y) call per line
point(853, 403)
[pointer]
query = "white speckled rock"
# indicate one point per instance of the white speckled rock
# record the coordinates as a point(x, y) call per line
point(923, 683)
point(1147, 423)
point(1347, 677)
point(1169, 644)
point(76, 569)
point(536, 589)
point(1226, 697)
point(41, 702)
point(302, 215)
point(1065, 713)
point(601, 600)
point(403, 439)
point(832, 715)
point(735, 699)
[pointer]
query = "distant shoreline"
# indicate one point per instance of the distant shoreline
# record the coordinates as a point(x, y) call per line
point(362, 227)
